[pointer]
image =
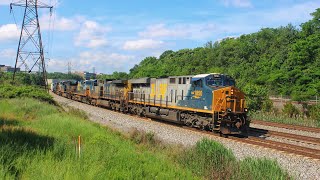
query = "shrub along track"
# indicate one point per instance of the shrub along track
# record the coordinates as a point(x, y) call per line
point(287, 126)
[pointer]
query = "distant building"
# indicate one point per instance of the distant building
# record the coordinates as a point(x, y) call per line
point(86, 75)
point(4, 68)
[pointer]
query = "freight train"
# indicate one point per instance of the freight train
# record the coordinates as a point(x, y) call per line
point(205, 101)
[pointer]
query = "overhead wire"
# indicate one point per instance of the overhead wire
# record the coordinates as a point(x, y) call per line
point(52, 28)
point(11, 11)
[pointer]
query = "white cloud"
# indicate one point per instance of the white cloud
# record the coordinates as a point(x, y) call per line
point(180, 31)
point(58, 23)
point(238, 3)
point(8, 53)
point(5, 2)
point(85, 61)
point(294, 13)
point(233, 25)
point(9, 32)
point(159, 30)
point(142, 44)
point(92, 35)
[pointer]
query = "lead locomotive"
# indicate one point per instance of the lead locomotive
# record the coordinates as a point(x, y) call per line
point(206, 101)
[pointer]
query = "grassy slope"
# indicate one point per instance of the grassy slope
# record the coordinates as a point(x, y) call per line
point(37, 141)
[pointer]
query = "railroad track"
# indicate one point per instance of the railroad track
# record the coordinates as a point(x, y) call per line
point(287, 126)
point(261, 132)
point(287, 148)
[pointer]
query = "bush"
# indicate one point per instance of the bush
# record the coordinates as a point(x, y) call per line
point(314, 112)
point(10, 91)
point(214, 161)
point(210, 159)
point(290, 110)
point(267, 105)
point(255, 96)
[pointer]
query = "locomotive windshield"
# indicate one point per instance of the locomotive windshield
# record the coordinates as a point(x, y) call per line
point(220, 80)
point(214, 81)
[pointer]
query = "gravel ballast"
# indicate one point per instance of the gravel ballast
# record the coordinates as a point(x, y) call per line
point(297, 166)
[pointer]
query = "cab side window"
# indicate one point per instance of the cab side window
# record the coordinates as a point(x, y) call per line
point(197, 83)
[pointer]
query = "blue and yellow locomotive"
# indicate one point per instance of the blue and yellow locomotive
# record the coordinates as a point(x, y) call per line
point(206, 101)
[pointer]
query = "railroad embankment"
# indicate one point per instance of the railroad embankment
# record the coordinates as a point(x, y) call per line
point(41, 140)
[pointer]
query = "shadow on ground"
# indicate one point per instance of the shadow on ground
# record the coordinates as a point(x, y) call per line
point(17, 141)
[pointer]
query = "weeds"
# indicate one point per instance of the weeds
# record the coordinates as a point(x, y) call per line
point(142, 137)
point(77, 112)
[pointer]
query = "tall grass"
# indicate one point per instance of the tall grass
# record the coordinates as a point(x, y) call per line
point(282, 118)
point(214, 161)
point(251, 168)
point(210, 159)
point(39, 142)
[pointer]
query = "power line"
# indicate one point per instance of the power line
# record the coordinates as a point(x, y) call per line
point(30, 51)
point(69, 67)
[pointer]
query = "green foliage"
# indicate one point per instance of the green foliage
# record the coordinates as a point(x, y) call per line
point(43, 146)
point(209, 158)
point(274, 116)
point(267, 105)
point(256, 96)
point(11, 91)
point(59, 75)
point(214, 161)
point(290, 110)
point(251, 168)
point(114, 75)
point(314, 112)
point(21, 78)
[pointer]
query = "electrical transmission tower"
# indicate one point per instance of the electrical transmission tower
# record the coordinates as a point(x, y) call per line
point(69, 67)
point(30, 47)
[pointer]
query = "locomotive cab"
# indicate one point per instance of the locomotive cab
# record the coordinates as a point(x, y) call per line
point(218, 93)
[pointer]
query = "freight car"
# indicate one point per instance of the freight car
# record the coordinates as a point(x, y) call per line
point(206, 101)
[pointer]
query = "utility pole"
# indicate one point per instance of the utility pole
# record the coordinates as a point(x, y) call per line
point(69, 67)
point(30, 48)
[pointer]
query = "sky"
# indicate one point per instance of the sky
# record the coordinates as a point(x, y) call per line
point(110, 35)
